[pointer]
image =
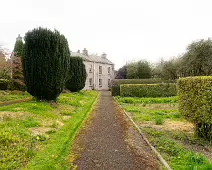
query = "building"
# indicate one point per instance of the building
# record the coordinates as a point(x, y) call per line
point(100, 70)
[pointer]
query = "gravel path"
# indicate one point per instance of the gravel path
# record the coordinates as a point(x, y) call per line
point(104, 145)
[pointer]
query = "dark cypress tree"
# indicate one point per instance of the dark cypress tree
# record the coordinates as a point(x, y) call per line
point(18, 49)
point(46, 58)
point(17, 82)
point(77, 75)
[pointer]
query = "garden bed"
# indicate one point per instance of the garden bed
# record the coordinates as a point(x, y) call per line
point(37, 135)
point(169, 132)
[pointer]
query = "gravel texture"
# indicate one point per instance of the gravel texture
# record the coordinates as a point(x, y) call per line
point(109, 142)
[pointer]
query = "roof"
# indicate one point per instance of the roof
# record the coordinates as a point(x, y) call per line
point(91, 58)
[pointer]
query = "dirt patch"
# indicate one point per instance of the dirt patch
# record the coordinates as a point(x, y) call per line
point(66, 117)
point(40, 130)
point(11, 115)
point(52, 123)
point(170, 125)
point(159, 106)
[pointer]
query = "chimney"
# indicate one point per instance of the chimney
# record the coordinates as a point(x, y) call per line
point(78, 51)
point(19, 38)
point(85, 52)
point(104, 55)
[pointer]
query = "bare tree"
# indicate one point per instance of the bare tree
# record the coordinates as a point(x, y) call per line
point(5, 64)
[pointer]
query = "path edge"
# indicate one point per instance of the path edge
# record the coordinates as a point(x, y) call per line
point(159, 156)
point(80, 128)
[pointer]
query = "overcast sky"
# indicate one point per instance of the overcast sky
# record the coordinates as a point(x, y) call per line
point(124, 29)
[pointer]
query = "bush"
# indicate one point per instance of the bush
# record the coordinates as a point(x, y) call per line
point(148, 90)
point(115, 90)
point(77, 75)
point(46, 59)
point(195, 98)
point(16, 84)
point(4, 84)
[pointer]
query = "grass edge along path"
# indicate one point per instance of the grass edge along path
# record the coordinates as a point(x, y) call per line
point(159, 156)
point(55, 153)
point(183, 158)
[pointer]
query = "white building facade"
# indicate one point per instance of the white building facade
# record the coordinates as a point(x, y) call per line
point(100, 71)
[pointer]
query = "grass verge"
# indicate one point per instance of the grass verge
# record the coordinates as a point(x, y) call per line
point(13, 95)
point(37, 135)
point(169, 133)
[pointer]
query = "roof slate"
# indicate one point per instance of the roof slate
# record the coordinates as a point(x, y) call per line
point(91, 58)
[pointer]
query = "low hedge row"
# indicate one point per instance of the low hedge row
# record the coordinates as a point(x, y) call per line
point(115, 89)
point(148, 90)
point(195, 98)
point(4, 84)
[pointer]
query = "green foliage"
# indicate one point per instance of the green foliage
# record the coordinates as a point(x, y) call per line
point(77, 75)
point(167, 70)
point(195, 98)
point(148, 90)
point(122, 73)
point(159, 120)
point(4, 84)
point(197, 61)
point(18, 49)
point(139, 70)
point(117, 82)
point(45, 63)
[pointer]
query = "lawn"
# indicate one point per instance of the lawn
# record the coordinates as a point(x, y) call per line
point(13, 95)
point(38, 135)
point(169, 132)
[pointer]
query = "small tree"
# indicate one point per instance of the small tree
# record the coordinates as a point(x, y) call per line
point(122, 73)
point(17, 82)
point(45, 63)
point(139, 70)
point(5, 65)
point(77, 75)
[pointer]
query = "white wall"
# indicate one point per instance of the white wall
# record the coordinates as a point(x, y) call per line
point(96, 76)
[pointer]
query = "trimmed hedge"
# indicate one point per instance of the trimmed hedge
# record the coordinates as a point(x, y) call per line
point(148, 90)
point(4, 84)
point(115, 89)
point(195, 99)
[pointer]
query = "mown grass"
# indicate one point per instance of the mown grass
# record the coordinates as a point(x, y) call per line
point(168, 131)
point(134, 100)
point(13, 95)
point(37, 135)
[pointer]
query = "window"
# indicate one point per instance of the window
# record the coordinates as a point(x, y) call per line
point(108, 82)
point(100, 69)
point(100, 82)
point(108, 70)
point(90, 69)
point(90, 81)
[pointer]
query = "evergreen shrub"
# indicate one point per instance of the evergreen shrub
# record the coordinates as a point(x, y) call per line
point(77, 75)
point(195, 98)
point(46, 57)
point(148, 90)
